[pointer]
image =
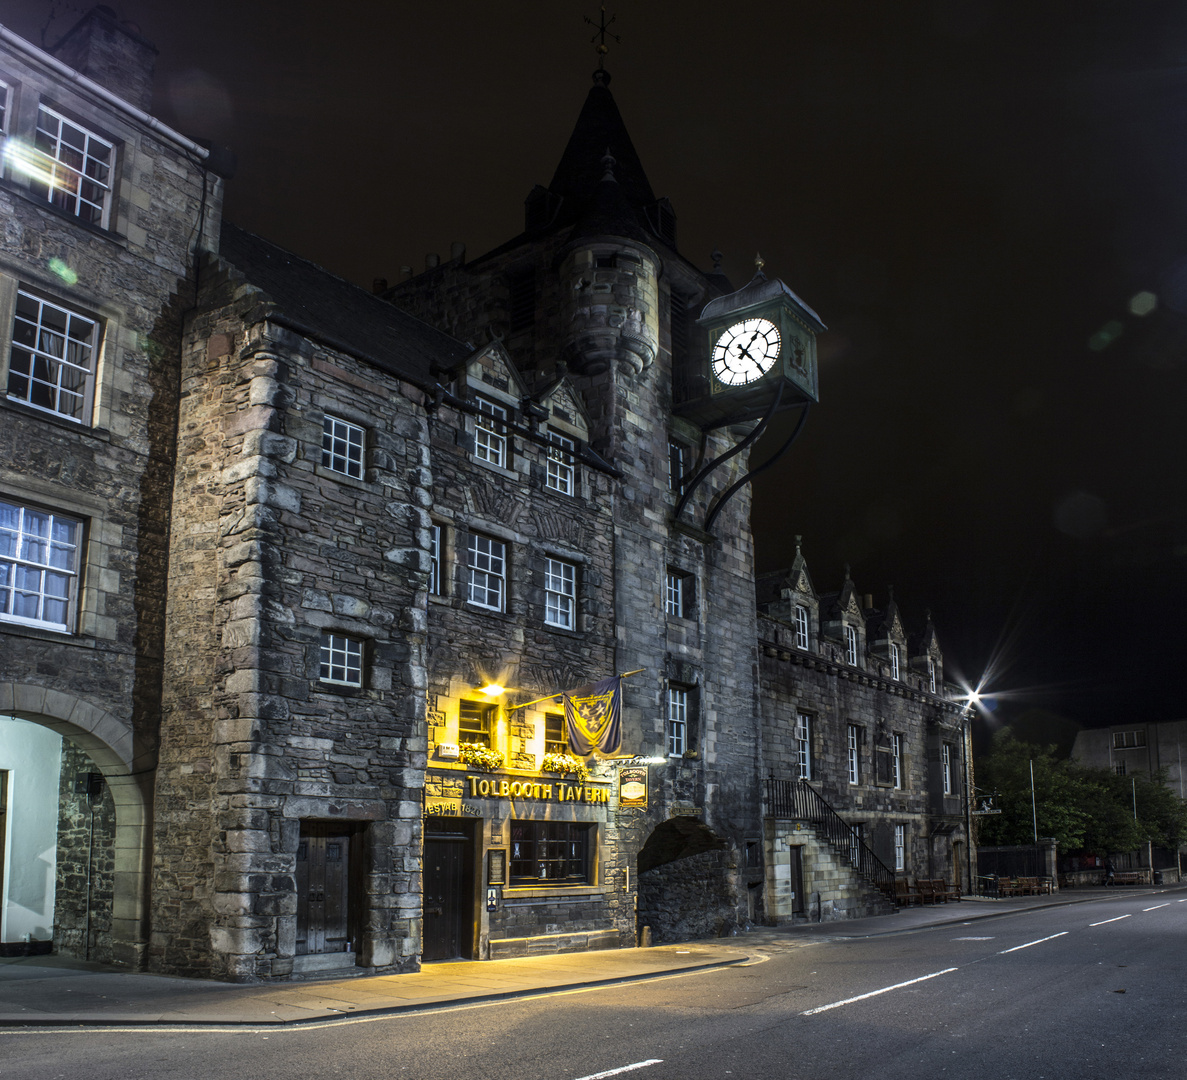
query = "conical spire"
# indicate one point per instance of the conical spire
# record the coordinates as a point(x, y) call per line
point(600, 126)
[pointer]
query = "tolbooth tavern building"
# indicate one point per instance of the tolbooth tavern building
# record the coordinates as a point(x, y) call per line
point(365, 628)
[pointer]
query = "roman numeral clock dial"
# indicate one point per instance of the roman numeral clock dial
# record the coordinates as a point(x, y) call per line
point(745, 352)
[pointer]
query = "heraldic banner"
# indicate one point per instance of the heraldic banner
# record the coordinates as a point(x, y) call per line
point(593, 718)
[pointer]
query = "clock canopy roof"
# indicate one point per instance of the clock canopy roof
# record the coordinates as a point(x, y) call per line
point(759, 292)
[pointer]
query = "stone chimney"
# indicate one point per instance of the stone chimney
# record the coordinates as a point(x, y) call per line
point(112, 53)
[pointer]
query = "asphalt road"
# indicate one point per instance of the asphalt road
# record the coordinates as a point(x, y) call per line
point(1078, 992)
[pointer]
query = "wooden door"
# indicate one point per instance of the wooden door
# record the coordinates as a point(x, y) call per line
point(448, 899)
point(797, 880)
point(324, 859)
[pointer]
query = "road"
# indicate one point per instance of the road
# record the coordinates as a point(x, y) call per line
point(1080, 991)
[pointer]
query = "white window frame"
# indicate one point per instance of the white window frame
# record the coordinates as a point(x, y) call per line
point(677, 721)
point(853, 743)
point(802, 623)
point(486, 572)
point(73, 164)
point(900, 847)
point(856, 839)
point(341, 659)
point(54, 357)
point(560, 471)
point(560, 594)
point(946, 766)
point(5, 106)
point(851, 645)
point(1129, 740)
point(40, 555)
point(896, 760)
point(803, 746)
point(434, 560)
point(675, 594)
point(931, 674)
point(895, 669)
point(342, 446)
point(677, 465)
point(490, 436)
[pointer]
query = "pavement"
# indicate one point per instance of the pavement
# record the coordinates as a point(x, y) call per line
point(52, 991)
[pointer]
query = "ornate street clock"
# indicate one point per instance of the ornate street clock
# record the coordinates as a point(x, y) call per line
point(757, 352)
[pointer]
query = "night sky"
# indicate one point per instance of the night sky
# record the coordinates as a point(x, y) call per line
point(985, 202)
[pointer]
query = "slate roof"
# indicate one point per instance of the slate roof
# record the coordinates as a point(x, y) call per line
point(343, 316)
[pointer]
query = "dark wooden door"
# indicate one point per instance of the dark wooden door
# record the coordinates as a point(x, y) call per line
point(323, 888)
point(797, 880)
point(448, 905)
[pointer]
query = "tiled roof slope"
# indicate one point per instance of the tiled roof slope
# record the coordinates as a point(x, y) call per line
point(340, 314)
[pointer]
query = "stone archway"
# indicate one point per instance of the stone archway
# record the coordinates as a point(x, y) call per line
point(127, 771)
point(687, 882)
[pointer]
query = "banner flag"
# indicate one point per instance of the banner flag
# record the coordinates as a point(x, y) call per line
point(593, 718)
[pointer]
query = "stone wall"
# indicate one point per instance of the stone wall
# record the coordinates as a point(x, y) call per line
point(836, 695)
point(85, 865)
point(100, 682)
point(696, 897)
point(270, 550)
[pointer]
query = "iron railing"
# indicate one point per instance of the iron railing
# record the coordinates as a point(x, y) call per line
point(798, 800)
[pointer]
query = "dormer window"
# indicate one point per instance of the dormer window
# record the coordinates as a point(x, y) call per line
point(801, 626)
point(851, 645)
point(931, 674)
point(894, 661)
point(560, 474)
point(490, 433)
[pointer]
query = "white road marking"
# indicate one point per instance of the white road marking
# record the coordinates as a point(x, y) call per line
point(1103, 921)
point(972, 939)
point(1030, 943)
point(875, 993)
point(625, 1068)
point(1157, 906)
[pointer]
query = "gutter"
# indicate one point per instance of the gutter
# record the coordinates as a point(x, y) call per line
point(101, 92)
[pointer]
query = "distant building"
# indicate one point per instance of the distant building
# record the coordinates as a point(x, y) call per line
point(294, 576)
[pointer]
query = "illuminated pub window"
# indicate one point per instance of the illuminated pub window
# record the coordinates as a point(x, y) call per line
point(550, 851)
point(555, 739)
point(475, 723)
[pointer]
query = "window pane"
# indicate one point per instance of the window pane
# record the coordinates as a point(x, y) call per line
point(341, 660)
point(38, 566)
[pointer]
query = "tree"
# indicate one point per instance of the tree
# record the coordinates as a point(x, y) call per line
point(1085, 810)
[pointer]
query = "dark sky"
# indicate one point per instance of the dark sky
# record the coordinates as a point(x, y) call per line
point(970, 193)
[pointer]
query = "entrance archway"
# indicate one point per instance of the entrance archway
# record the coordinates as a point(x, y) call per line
point(687, 885)
point(127, 771)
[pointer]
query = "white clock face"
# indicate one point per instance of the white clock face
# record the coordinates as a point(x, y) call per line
point(745, 352)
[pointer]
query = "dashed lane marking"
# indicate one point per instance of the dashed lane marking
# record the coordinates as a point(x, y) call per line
point(875, 993)
point(1030, 943)
point(1103, 921)
point(624, 1069)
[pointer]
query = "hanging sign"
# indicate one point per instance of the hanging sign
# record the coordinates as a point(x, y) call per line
point(632, 786)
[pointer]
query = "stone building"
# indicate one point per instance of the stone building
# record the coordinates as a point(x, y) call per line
point(856, 710)
point(298, 575)
point(105, 211)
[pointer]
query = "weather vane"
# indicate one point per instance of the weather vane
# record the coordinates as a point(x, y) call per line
point(600, 37)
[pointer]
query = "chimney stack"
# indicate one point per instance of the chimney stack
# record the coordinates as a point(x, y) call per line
point(112, 53)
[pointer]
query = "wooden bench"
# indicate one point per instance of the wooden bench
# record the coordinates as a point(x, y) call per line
point(906, 894)
point(1130, 877)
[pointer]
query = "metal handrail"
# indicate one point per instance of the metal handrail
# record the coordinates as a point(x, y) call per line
point(799, 800)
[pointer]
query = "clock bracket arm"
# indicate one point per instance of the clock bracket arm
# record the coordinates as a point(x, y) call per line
point(725, 496)
point(708, 469)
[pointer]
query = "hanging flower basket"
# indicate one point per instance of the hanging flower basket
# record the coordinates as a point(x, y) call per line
point(479, 757)
point(564, 764)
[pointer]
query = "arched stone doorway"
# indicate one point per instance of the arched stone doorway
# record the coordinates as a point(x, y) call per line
point(107, 743)
point(687, 882)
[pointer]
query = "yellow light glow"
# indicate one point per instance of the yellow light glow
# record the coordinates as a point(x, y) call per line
point(32, 163)
point(492, 689)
